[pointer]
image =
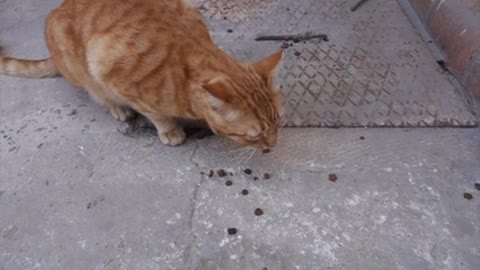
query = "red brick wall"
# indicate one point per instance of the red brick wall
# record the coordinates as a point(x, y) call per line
point(455, 27)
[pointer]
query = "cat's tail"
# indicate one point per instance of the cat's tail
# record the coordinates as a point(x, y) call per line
point(28, 68)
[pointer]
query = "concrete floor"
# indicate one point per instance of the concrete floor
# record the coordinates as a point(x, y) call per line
point(96, 199)
point(77, 193)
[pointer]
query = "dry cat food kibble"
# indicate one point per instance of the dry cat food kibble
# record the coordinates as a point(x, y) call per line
point(467, 196)
point(255, 178)
point(229, 30)
point(244, 192)
point(266, 176)
point(258, 212)
point(266, 151)
point(332, 177)
point(297, 53)
point(232, 231)
point(222, 173)
point(362, 138)
point(211, 173)
point(228, 183)
point(247, 171)
point(477, 186)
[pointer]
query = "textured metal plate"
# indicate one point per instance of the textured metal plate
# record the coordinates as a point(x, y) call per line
point(375, 71)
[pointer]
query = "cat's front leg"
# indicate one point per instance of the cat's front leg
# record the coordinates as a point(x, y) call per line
point(173, 137)
point(168, 130)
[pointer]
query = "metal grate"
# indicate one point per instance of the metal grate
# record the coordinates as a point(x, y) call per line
point(375, 71)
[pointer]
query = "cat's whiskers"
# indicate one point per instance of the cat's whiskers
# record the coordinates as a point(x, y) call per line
point(233, 151)
point(238, 157)
point(249, 157)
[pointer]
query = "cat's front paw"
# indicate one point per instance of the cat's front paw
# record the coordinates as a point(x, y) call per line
point(173, 137)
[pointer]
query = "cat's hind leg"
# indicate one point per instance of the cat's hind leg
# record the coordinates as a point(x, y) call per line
point(118, 110)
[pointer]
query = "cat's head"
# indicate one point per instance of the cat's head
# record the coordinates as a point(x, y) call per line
point(246, 107)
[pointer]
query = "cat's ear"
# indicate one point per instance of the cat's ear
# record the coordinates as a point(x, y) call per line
point(268, 67)
point(218, 89)
point(218, 97)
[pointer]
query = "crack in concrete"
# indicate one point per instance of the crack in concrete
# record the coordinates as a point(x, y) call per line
point(190, 246)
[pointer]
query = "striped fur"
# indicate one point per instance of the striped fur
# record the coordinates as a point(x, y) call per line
point(156, 57)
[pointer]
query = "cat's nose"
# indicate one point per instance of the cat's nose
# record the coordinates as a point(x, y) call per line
point(271, 141)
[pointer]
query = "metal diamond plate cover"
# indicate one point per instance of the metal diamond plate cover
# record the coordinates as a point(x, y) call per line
point(375, 71)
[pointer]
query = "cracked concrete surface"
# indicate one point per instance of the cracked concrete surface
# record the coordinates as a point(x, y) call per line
point(101, 200)
point(78, 192)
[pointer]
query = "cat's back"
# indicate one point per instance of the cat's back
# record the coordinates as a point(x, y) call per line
point(160, 17)
point(117, 39)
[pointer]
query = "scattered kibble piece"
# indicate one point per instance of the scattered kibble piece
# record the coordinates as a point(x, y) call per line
point(258, 212)
point(467, 196)
point(222, 173)
point(477, 186)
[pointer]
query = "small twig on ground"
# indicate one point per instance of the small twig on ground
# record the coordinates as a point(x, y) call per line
point(295, 38)
point(358, 5)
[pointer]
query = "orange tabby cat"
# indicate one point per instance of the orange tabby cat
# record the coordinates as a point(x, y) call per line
point(156, 57)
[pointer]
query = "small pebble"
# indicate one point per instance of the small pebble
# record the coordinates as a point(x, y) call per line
point(332, 177)
point(266, 176)
point(477, 186)
point(228, 183)
point(232, 231)
point(244, 192)
point(297, 53)
point(467, 196)
point(222, 173)
point(258, 212)
point(248, 171)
